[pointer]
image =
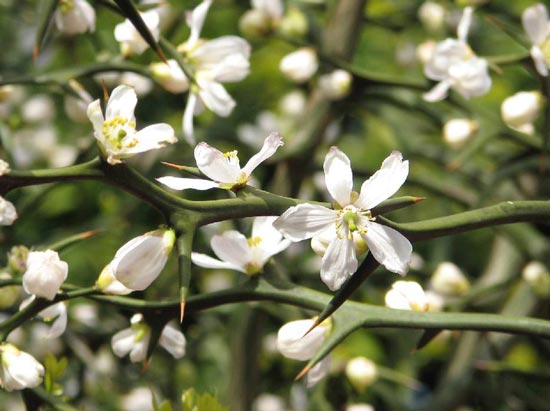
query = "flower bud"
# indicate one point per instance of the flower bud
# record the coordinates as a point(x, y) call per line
point(432, 15)
point(255, 23)
point(4, 167)
point(17, 258)
point(294, 23)
point(9, 294)
point(425, 51)
point(293, 103)
point(448, 280)
point(170, 76)
point(45, 274)
point(407, 295)
point(139, 262)
point(537, 276)
point(18, 370)
point(335, 85)
point(107, 283)
point(300, 65)
point(8, 213)
point(293, 342)
point(458, 131)
point(361, 373)
point(521, 110)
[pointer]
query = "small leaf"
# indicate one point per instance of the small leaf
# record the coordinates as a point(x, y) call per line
point(194, 401)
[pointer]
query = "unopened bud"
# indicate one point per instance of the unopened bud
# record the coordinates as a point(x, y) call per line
point(255, 23)
point(294, 23)
point(432, 16)
point(300, 65)
point(448, 280)
point(361, 373)
point(17, 258)
point(521, 110)
point(335, 85)
point(459, 131)
point(537, 275)
point(407, 295)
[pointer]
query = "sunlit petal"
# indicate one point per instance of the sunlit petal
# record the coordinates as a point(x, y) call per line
point(389, 247)
point(270, 146)
point(339, 263)
point(338, 176)
point(304, 221)
point(232, 246)
point(215, 165)
point(178, 183)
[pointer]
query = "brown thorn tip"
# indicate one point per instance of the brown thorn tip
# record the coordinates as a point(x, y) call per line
point(315, 324)
point(455, 165)
point(176, 166)
point(105, 91)
point(419, 199)
point(182, 310)
point(87, 234)
point(35, 52)
point(304, 371)
point(145, 365)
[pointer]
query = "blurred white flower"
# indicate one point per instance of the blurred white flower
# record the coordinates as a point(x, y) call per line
point(8, 213)
point(222, 60)
point(407, 295)
point(425, 51)
point(129, 38)
point(139, 262)
point(537, 26)
point(45, 274)
point(449, 280)
point(135, 340)
point(361, 372)
point(252, 134)
point(537, 275)
point(38, 109)
point(247, 255)
point(263, 18)
point(74, 16)
point(359, 407)
point(170, 76)
point(351, 214)
point(4, 167)
point(293, 103)
point(300, 65)
point(76, 107)
point(18, 370)
point(432, 15)
point(139, 399)
point(223, 169)
point(458, 131)
point(335, 85)
point(116, 132)
point(268, 402)
point(55, 315)
point(456, 66)
point(294, 23)
point(141, 84)
point(521, 110)
point(292, 343)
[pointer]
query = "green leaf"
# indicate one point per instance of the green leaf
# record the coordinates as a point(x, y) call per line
point(194, 401)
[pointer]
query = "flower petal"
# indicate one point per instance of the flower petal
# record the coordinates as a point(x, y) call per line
point(438, 92)
point(339, 262)
point(215, 165)
point(540, 60)
point(389, 247)
point(232, 247)
point(271, 143)
point(294, 343)
point(178, 183)
point(216, 50)
point(535, 23)
point(338, 176)
point(96, 117)
point(173, 340)
point(152, 137)
point(187, 120)
point(464, 24)
point(304, 221)
point(203, 260)
point(122, 102)
point(216, 98)
point(195, 20)
point(318, 372)
point(385, 182)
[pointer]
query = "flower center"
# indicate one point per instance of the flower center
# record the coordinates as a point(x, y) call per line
point(116, 130)
point(352, 219)
point(254, 241)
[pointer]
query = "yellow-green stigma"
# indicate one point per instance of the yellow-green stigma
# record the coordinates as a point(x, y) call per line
point(254, 241)
point(116, 129)
point(66, 5)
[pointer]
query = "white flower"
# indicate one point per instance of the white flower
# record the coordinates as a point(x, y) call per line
point(116, 132)
point(521, 110)
point(129, 38)
point(361, 372)
point(335, 85)
point(351, 215)
point(55, 314)
point(4, 167)
point(264, 17)
point(537, 26)
point(407, 295)
point(455, 65)
point(8, 213)
point(74, 16)
point(170, 75)
point(458, 131)
point(449, 280)
point(139, 262)
point(76, 107)
point(359, 407)
point(268, 402)
point(223, 169)
point(247, 255)
point(300, 65)
point(225, 59)
point(18, 370)
point(45, 274)
point(135, 340)
point(38, 109)
point(537, 276)
point(432, 15)
point(292, 343)
point(107, 283)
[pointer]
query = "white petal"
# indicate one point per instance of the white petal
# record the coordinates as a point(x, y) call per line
point(195, 20)
point(139, 350)
point(216, 50)
point(406, 295)
point(231, 69)
point(8, 213)
point(318, 372)
point(206, 261)
point(464, 24)
point(59, 313)
point(273, 8)
point(438, 93)
point(19, 370)
point(540, 61)
point(263, 228)
point(122, 102)
point(152, 137)
point(389, 247)
point(271, 143)
point(215, 165)
point(338, 176)
point(304, 221)
point(173, 340)
point(385, 182)
point(535, 23)
point(123, 342)
point(216, 98)
point(178, 183)
point(292, 343)
point(96, 117)
point(232, 246)
point(187, 120)
point(45, 274)
point(339, 263)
